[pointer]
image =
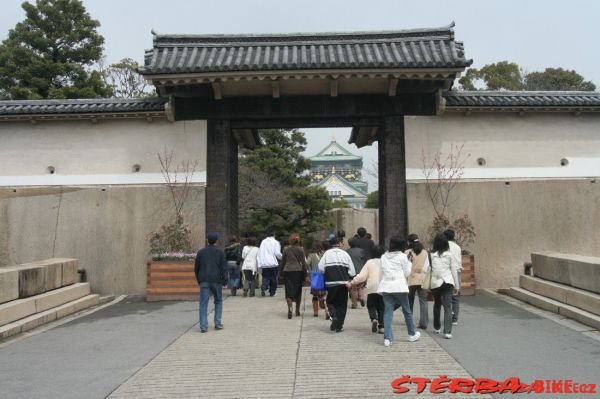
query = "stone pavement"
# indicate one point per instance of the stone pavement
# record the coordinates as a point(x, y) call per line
point(262, 354)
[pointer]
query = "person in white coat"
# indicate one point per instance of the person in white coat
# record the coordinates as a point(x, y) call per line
point(249, 265)
point(444, 283)
point(395, 269)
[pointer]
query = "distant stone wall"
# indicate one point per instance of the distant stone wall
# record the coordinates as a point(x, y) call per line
point(350, 219)
point(102, 226)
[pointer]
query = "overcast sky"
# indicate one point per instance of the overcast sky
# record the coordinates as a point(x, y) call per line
point(533, 33)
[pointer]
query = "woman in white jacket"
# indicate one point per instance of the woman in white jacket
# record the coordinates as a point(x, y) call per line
point(395, 269)
point(249, 265)
point(444, 283)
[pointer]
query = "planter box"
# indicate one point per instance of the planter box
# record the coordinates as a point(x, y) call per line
point(467, 279)
point(171, 281)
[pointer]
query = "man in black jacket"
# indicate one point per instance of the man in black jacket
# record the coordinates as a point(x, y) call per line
point(367, 245)
point(210, 270)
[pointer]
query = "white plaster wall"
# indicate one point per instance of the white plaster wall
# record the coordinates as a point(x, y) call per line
point(107, 147)
point(504, 140)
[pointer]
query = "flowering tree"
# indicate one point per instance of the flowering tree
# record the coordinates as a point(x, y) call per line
point(174, 237)
point(442, 174)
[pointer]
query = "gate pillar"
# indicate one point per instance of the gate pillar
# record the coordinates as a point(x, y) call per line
point(221, 180)
point(393, 210)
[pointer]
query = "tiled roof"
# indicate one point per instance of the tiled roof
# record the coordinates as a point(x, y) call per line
point(418, 48)
point(80, 106)
point(522, 99)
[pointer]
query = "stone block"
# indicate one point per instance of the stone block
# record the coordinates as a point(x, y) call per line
point(584, 272)
point(581, 299)
point(581, 316)
point(535, 299)
point(38, 277)
point(9, 330)
point(550, 266)
point(9, 284)
point(15, 310)
point(38, 319)
point(60, 296)
point(77, 305)
point(69, 271)
point(545, 288)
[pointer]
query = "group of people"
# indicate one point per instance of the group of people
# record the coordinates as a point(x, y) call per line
point(390, 279)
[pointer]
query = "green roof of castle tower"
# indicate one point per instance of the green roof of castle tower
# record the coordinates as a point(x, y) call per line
point(335, 152)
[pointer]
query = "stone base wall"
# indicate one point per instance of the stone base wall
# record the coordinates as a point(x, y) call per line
point(102, 226)
point(511, 221)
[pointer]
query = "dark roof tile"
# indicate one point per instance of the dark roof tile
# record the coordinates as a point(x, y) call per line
point(80, 106)
point(522, 99)
point(418, 48)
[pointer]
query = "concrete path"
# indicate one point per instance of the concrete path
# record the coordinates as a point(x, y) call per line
point(496, 339)
point(92, 355)
point(262, 354)
point(136, 349)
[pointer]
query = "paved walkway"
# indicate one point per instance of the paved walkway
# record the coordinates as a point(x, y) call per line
point(262, 354)
point(135, 349)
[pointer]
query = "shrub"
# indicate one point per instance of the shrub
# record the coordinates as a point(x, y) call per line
point(171, 237)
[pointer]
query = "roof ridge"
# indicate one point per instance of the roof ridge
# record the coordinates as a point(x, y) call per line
point(520, 93)
point(51, 101)
point(271, 37)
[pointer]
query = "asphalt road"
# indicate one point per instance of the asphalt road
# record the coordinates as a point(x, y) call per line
point(91, 356)
point(495, 339)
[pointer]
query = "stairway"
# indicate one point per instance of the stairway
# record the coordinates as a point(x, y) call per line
point(37, 293)
point(556, 286)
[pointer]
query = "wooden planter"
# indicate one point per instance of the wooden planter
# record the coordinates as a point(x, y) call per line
point(171, 281)
point(467, 279)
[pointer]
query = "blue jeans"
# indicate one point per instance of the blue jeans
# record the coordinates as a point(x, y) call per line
point(392, 301)
point(233, 270)
point(206, 289)
point(269, 276)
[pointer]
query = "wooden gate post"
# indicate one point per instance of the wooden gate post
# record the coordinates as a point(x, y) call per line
point(221, 180)
point(393, 210)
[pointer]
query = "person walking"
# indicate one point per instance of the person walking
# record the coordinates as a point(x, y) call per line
point(371, 274)
point(312, 264)
point(233, 267)
point(269, 255)
point(365, 243)
point(456, 252)
point(338, 269)
point(293, 266)
point(419, 257)
point(211, 274)
point(395, 269)
point(444, 282)
point(357, 291)
point(249, 265)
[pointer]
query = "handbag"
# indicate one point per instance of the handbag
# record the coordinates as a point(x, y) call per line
point(426, 284)
point(317, 281)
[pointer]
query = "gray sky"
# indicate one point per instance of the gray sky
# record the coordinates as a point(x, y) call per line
point(533, 33)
